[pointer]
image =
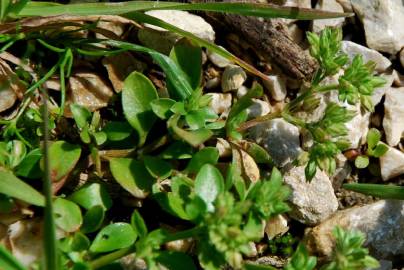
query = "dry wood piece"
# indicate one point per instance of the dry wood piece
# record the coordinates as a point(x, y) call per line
point(271, 39)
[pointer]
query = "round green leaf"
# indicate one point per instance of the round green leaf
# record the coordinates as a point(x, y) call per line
point(93, 219)
point(373, 137)
point(114, 236)
point(361, 162)
point(29, 166)
point(79, 242)
point(209, 183)
point(206, 155)
point(81, 115)
point(162, 107)
point(117, 131)
point(14, 187)
point(379, 150)
point(91, 195)
point(63, 157)
point(157, 167)
point(67, 215)
point(137, 95)
point(132, 175)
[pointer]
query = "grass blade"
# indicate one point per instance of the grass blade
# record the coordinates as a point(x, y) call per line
point(50, 242)
point(378, 190)
point(144, 18)
point(247, 9)
point(8, 262)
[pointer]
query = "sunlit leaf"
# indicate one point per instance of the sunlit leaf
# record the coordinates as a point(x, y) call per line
point(67, 215)
point(114, 236)
point(209, 183)
point(91, 195)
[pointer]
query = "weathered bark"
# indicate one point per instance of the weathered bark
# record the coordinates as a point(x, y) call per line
point(270, 39)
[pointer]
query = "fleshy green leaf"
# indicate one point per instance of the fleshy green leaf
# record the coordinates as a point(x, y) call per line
point(378, 190)
point(91, 195)
point(93, 219)
point(114, 236)
point(157, 167)
point(63, 157)
point(29, 166)
point(379, 150)
point(138, 224)
point(361, 162)
point(67, 215)
point(117, 131)
point(373, 137)
point(14, 187)
point(194, 137)
point(81, 115)
point(177, 150)
point(205, 155)
point(132, 175)
point(137, 94)
point(162, 107)
point(209, 183)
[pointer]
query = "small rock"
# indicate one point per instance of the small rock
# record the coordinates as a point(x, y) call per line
point(346, 5)
point(233, 78)
point(295, 33)
point(217, 59)
point(162, 40)
point(241, 91)
point(342, 171)
point(382, 223)
point(88, 90)
point(120, 66)
point(276, 86)
point(279, 138)
point(393, 123)
point(258, 108)
point(352, 49)
point(383, 21)
point(297, 3)
point(220, 103)
point(392, 163)
point(116, 28)
point(328, 5)
point(312, 202)
point(278, 225)
point(181, 245)
point(212, 83)
point(131, 262)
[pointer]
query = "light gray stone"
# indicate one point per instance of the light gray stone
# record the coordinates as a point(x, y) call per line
point(382, 223)
point(279, 138)
point(392, 164)
point(277, 225)
point(352, 49)
point(258, 108)
point(379, 92)
point(383, 21)
point(276, 85)
point(220, 103)
point(233, 78)
point(312, 202)
point(393, 121)
point(402, 57)
point(217, 59)
point(328, 5)
point(162, 40)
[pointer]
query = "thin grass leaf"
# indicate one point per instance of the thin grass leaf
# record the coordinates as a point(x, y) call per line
point(246, 9)
point(377, 190)
point(144, 18)
point(8, 261)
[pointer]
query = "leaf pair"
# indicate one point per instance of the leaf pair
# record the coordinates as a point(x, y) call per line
point(375, 149)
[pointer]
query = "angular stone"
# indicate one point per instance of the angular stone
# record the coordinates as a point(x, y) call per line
point(258, 108)
point(279, 138)
point(217, 59)
point(382, 223)
point(233, 78)
point(328, 5)
point(352, 49)
point(278, 225)
point(162, 40)
point(312, 202)
point(276, 86)
point(392, 164)
point(393, 121)
point(383, 21)
point(379, 92)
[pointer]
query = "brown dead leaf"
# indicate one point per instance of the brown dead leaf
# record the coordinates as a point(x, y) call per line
point(120, 66)
point(11, 87)
point(247, 163)
point(89, 90)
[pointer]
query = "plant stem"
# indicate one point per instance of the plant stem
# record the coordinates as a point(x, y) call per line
point(50, 244)
point(111, 257)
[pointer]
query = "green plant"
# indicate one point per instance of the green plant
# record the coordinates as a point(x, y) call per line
point(375, 149)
